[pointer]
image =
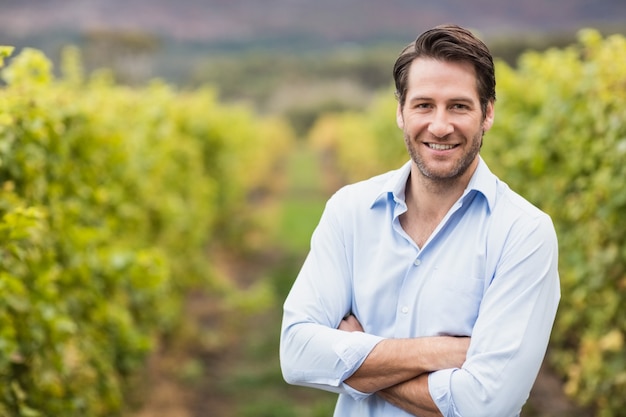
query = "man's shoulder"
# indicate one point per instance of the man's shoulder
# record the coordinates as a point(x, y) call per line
point(515, 214)
point(511, 202)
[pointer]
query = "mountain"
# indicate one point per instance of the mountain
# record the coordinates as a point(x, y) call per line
point(248, 21)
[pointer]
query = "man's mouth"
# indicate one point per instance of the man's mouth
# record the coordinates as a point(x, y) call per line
point(440, 146)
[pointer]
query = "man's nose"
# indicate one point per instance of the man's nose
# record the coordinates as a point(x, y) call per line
point(440, 126)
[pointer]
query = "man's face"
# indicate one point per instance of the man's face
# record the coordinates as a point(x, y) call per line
point(442, 119)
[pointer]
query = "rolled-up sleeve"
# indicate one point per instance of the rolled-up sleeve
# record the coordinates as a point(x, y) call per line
point(320, 357)
point(512, 331)
point(312, 351)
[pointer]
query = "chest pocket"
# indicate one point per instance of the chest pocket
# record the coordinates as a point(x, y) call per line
point(451, 299)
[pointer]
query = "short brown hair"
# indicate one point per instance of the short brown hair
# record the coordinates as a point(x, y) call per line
point(449, 43)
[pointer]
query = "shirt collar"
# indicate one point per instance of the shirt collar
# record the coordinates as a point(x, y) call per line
point(395, 184)
point(483, 181)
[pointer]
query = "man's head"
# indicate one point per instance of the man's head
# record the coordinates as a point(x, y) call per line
point(448, 43)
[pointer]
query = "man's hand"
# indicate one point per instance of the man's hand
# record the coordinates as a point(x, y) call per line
point(350, 324)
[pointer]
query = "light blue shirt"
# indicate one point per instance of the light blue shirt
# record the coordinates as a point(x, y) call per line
point(488, 271)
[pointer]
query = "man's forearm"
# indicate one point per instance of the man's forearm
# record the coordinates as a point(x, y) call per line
point(383, 368)
point(413, 397)
point(394, 361)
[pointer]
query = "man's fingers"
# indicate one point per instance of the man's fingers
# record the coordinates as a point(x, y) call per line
point(350, 324)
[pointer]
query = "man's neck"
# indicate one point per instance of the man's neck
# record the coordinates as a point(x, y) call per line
point(431, 199)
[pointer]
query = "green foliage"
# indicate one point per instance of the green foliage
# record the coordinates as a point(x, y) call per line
point(5, 52)
point(560, 140)
point(361, 144)
point(109, 198)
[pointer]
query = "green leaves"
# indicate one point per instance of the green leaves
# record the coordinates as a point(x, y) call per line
point(5, 52)
point(557, 141)
point(29, 67)
point(109, 198)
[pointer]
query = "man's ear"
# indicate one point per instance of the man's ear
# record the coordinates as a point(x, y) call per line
point(489, 116)
point(399, 117)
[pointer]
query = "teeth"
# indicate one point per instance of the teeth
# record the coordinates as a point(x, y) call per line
point(440, 147)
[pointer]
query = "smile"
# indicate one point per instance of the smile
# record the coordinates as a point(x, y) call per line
point(439, 146)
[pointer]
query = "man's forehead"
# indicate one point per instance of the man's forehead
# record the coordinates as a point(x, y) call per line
point(428, 76)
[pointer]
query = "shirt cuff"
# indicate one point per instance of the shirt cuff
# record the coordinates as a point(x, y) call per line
point(439, 388)
point(352, 351)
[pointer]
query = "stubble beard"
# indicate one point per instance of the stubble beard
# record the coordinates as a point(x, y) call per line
point(460, 167)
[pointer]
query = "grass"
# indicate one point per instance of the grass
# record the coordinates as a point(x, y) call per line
point(254, 382)
point(303, 203)
point(255, 378)
point(299, 219)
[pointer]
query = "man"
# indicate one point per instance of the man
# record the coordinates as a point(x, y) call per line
point(430, 290)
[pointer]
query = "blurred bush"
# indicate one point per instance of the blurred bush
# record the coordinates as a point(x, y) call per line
point(109, 199)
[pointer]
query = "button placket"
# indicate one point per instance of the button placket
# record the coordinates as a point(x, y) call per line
point(405, 309)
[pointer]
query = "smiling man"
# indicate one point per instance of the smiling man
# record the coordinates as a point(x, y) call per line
point(429, 290)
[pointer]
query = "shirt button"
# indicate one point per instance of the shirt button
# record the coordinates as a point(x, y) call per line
point(405, 310)
point(417, 262)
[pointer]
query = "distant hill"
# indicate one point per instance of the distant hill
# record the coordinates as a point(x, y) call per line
point(249, 21)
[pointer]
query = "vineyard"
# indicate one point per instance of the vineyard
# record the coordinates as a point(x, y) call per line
point(110, 200)
point(115, 203)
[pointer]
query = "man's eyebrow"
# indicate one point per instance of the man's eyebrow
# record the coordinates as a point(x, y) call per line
point(460, 99)
point(420, 98)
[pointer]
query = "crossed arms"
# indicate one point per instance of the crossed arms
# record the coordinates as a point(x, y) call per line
point(397, 369)
point(509, 315)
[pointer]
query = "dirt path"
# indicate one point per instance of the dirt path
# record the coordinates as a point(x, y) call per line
point(180, 376)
